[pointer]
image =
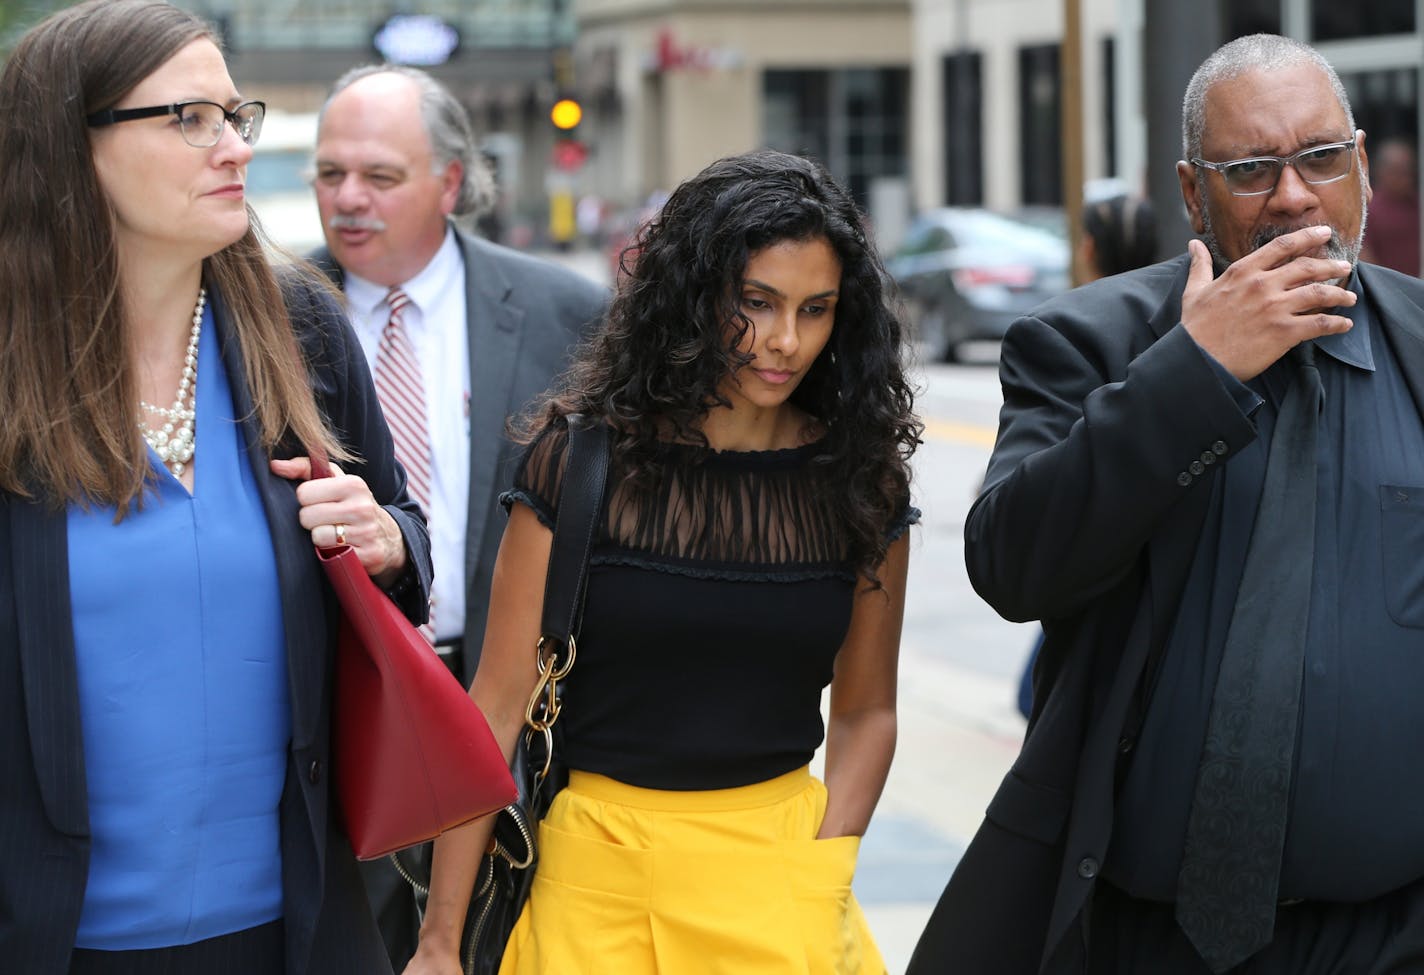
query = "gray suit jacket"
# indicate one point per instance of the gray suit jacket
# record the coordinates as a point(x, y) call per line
point(524, 316)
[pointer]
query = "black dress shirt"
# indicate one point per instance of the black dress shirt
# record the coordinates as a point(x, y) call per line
point(1356, 826)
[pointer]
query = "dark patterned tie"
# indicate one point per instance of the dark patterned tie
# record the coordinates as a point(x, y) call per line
point(400, 386)
point(1231, 865)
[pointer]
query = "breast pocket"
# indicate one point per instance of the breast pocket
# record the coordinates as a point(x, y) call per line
point(1402, 547)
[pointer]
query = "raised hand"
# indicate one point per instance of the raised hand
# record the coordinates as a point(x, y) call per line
point(1266, 303)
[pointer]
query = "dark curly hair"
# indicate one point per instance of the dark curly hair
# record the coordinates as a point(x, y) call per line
point(671, 335)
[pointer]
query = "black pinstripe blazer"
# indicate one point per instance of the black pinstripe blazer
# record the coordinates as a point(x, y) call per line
point(44, 820)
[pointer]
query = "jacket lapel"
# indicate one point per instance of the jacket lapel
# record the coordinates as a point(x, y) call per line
point(1400, 319)
point(39, 554)
point(494, 331)
point(303, 615)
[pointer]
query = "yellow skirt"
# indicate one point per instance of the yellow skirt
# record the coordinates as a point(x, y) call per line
point(727, 882)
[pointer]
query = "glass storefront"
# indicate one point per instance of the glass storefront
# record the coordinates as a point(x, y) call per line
point(853, 120)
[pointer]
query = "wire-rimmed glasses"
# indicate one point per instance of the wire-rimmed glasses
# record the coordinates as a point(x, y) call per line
point(1257, 175)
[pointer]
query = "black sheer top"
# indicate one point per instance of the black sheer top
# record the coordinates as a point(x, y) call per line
point(716, 605)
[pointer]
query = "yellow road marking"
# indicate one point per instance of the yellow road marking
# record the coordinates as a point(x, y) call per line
point(973, 435)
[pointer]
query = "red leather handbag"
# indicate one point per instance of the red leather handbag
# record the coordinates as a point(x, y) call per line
point(413, 755)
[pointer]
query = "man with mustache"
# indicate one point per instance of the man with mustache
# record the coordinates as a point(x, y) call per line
point(1209, 485)
point(459, 332)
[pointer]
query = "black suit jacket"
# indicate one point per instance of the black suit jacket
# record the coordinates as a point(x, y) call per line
point(524, 317)
point(44, 821)
point(1088, 520)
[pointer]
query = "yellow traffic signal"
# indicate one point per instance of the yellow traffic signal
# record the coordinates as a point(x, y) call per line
point(566, 114)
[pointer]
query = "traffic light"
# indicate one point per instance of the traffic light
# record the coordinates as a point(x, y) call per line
point(569, 150)
point(566, 114)
point(569, 154)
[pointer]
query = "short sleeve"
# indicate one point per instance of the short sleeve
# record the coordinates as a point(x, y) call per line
point(909, 515)
point(541, 474)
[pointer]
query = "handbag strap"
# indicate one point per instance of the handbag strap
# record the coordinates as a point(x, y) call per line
point(319, 465)
point(580, 502)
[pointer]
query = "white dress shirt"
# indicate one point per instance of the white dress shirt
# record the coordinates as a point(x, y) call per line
point(435, 321)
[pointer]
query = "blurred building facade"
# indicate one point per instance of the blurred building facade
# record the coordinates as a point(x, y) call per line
point(674, 84)
point(913, 103)
point(504, 59)
point(986, 119)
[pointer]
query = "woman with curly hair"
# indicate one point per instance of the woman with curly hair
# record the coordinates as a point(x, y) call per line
point(752, 551)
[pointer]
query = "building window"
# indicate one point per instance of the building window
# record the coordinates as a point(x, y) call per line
point(1385, 102)
point(1040, 126)
point(851, 120)
point(1244, 17)
point(963, 129)
point(1343, 21)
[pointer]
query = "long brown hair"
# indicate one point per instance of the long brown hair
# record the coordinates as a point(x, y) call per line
point(67, 390)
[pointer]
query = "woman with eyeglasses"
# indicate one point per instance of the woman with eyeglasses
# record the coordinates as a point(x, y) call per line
point(165, 637)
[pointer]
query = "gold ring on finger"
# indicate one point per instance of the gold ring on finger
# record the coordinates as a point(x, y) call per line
point(340, 534)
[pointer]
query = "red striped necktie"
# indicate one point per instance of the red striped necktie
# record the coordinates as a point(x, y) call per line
point(400, 386)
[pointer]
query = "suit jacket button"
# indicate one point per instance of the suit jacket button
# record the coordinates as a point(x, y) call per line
point(1197, 468)
point(1124, 745)
point(314, 771)
point(1087, 868)
point(1184, 479)
point(1219, 448)
point(1208, 457)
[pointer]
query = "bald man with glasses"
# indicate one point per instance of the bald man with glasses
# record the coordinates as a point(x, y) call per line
point(1209, 485)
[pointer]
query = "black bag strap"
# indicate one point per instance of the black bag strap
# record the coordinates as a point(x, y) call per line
point(580, 503)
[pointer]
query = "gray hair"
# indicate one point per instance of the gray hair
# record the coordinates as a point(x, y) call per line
point(452, 139)
point(1255, 52)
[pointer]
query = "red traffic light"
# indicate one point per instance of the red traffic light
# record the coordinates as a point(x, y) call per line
point(569, 154)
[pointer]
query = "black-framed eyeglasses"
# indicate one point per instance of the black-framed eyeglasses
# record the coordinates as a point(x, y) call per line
point(1258, 175)
point(201, 123)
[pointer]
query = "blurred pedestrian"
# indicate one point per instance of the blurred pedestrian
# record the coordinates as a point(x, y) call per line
point(1206, 484)
point(459, 332)
point(165, 638)
point(1119, 234)
point(751, 552)
point(1393, 239)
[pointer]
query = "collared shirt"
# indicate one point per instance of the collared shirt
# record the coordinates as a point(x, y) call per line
point(436, 323)
point(182, 669)
point(1356, 826)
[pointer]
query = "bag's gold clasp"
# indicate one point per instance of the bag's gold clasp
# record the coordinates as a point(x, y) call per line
point(544, 704)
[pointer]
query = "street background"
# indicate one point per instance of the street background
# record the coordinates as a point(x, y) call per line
point(959, 667)
point(1003, 106)
point(959, 729)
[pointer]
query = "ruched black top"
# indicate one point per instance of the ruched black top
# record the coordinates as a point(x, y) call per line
point(716, 605)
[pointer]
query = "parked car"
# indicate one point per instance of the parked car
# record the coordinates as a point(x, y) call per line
point(966, 274)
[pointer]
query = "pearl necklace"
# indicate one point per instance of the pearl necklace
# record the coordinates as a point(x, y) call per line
point(174, 441)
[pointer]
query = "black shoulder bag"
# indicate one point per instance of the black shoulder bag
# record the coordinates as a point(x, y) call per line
point(507, 868)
